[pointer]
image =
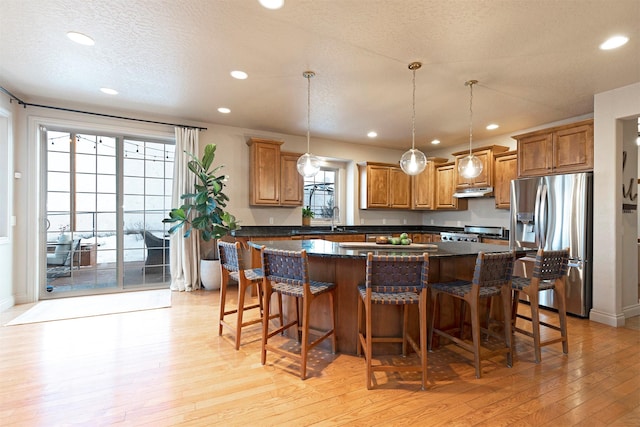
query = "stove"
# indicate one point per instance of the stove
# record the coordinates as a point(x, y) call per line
point(455, 236)
point(471, 233)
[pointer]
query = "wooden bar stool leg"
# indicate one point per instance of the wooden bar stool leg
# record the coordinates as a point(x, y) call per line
point(422, 309)
point(535, 324)
point(358, 342)
point(562, 314)
point(223, 299)
point(506, 314)
point(367, 352)
point(334, 345)
point(475, 332)
point(306, 304)
point(405, 325)
point(265, 320)
point(241, 293)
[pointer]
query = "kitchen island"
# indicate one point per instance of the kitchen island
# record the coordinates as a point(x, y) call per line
point(345, 266)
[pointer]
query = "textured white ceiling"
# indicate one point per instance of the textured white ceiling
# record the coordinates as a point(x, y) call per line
point(537, 61)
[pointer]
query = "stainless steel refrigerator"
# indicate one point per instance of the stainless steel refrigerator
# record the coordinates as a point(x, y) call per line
point(556, 212)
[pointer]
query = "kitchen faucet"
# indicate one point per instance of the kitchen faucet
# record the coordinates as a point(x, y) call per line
point(334, 212)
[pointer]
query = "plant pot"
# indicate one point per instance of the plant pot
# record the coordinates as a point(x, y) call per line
point(210, 274)
point(306, 221)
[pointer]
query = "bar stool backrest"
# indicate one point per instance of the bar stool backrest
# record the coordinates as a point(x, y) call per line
point(493, 269)
point(230, 257)
point(290, 267)
point(551, 265)
point(395, 273)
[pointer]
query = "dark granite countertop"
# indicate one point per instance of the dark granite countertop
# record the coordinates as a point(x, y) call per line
point(326, 249)
point(280, 230)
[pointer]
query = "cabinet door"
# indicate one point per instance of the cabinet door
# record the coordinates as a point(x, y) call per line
point(399, 189)
point(291, 182)
point(422, 188)
point(535, 155)
point(265, 174)
point(573, 149)
point(482, 180)
point(506, 169)
point(378, 186)
point(445, 187)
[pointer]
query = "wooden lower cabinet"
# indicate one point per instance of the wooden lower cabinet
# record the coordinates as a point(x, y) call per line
point(495, 241)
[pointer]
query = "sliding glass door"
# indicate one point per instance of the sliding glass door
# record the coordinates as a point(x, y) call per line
point(104, 200)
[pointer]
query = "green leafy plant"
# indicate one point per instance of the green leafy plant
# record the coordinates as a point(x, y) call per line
point(203, 210)
point(307, 212)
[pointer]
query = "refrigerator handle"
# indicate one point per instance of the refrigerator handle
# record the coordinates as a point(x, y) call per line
point(537, 220)
point(544, 220)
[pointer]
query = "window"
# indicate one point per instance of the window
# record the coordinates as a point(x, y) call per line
point(321, 195)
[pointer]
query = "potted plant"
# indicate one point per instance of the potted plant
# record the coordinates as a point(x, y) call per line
point(307, 214)
point(203, 213)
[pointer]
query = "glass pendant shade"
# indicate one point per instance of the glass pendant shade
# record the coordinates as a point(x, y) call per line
point(413, 162)
point(470, 167)
point(308, 165)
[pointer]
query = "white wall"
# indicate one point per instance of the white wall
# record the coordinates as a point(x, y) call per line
point(614, 298)
point(7, 142)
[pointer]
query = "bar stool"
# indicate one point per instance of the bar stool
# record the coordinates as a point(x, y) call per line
point(287, 273)
point(491, 277)
point(549, 272)
point(401, 281)
point(230, 265)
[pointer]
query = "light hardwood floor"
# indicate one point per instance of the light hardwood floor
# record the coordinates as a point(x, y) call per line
point(169, 367)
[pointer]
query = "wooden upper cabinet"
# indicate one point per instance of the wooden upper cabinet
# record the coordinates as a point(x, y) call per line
point(384, 185)
point(560, 149)
point(486, 156)
point(505, 169)
point(573, 148)
point(291, 182)
point(423, 186)
point(445, 187)
point(273, 176)
point(399, 189)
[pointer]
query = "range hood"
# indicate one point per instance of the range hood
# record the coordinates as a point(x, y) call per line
point(473, 192)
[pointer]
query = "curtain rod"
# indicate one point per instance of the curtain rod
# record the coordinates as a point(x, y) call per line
point(12, 97)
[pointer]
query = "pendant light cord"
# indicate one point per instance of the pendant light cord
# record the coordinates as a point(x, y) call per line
point(413, 113)
point(308, 76)
point(470, 115)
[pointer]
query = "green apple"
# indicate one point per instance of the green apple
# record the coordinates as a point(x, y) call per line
point(395, 241)
point(405, 241)
point(404, 236)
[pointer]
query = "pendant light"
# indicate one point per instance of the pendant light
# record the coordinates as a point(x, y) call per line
point(308, 165)
point(413, 161)
point(470, 166)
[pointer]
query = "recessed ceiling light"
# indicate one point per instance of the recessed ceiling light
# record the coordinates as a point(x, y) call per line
point(81, 38)
point(435, 142)
point(224, 110)
point(372, 134)
point(614, 42)
point(492, 126)
point(108, 91)
point(240, 75)
point(272, 4)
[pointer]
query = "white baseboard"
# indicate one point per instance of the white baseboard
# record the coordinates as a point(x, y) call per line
point(615, 320)
point(7, 303)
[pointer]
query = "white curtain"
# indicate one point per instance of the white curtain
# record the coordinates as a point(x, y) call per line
point(184, 253)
